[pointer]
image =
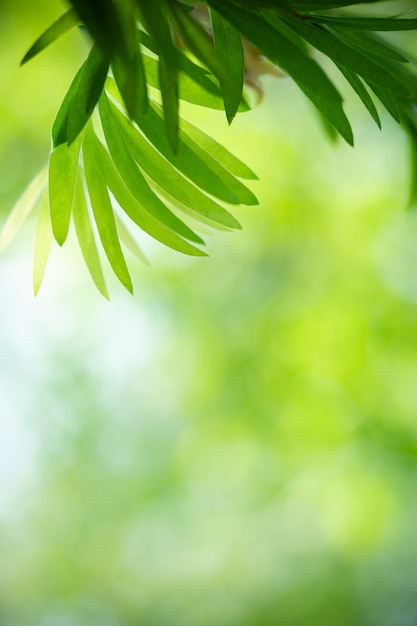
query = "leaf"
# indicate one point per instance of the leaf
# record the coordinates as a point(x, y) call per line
point(134, 179)
point(387, 100)
point(133, 208)
point(63, 165)
point(43, 243)
point(218, 151)
point(102, 208)
point(56, 30)
point(59, 127)
point(281, 50)
point(129, 72)
point(368, 23)
point(103, 23)
point(129, 241)
point(167, 177)
point(364, 42)
point(350, 58)
point(199, 43)
point(22, 208)
point(89, 88)
point(86, 238)
point(157, 24)
point(361, 91)
point(229, 49)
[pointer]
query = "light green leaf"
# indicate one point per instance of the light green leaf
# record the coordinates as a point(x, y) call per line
point(86, 238)
point(129, 241)
point(22, 208)
point(167, 177)
point(43, 243)
point(56, 30)
point(63, 164)
point(133, 208)
point(102, 208)
point(134, 179)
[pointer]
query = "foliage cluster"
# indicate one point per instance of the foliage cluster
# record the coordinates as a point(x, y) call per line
point(121, 156)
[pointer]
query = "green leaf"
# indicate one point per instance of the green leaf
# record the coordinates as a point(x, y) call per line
point(134, 209)
point(368, 23)
point(167, 177)
point(387, 100)
point(59, 127)
point(229, 49)
point(157, 25)
point(89, 88)
point(218, 151)
point(199, 43)
point(63, 165)
point(56, 30)
point(22, 208)
point(43, 243)
point(281, 50)
point(102, 20)
point(134, 179)
point(129, 72)
point(349, 57)
point(129, 241)
point(102, 208)
point(86, 238)
point(361, 91)
point(368, 43)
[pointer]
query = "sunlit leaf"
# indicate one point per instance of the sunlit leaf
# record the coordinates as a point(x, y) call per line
point(63, 164)
point(102, 208)
point(86, 238)
point(22, 208)
point(129, 241)
point(43, 243)
point(56, 30)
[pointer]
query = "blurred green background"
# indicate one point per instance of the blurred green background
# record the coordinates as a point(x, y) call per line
point(236, 445)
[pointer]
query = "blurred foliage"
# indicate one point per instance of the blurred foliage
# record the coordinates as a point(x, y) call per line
point(236, 445)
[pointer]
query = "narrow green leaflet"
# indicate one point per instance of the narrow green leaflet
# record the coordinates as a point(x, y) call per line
point(229, 49)
point(218, 151)
point(349, 57)
point(134, 209)
point(22, 208)
point(62, 25)
point(59, 127)
point(89, 88)
point(129, 241)
point(368, 43)
point(63, 164)
point(134, 179)
point(102, 21)
point(387, 100)
point(167, 177)
point(159, 28)
point(360, 89)
point(369, 23)
point(189, 90)
point(43, 243)
point(242, 193)
point(200, 44)
point(102, 208)
point(86, 238)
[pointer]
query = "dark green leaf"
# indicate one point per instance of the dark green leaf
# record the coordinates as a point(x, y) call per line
point(90, 86)
point(229, 49)
point(58, 28)
point(368, 23)
point(368, 43)
point(387, 100)
point(361, 91)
